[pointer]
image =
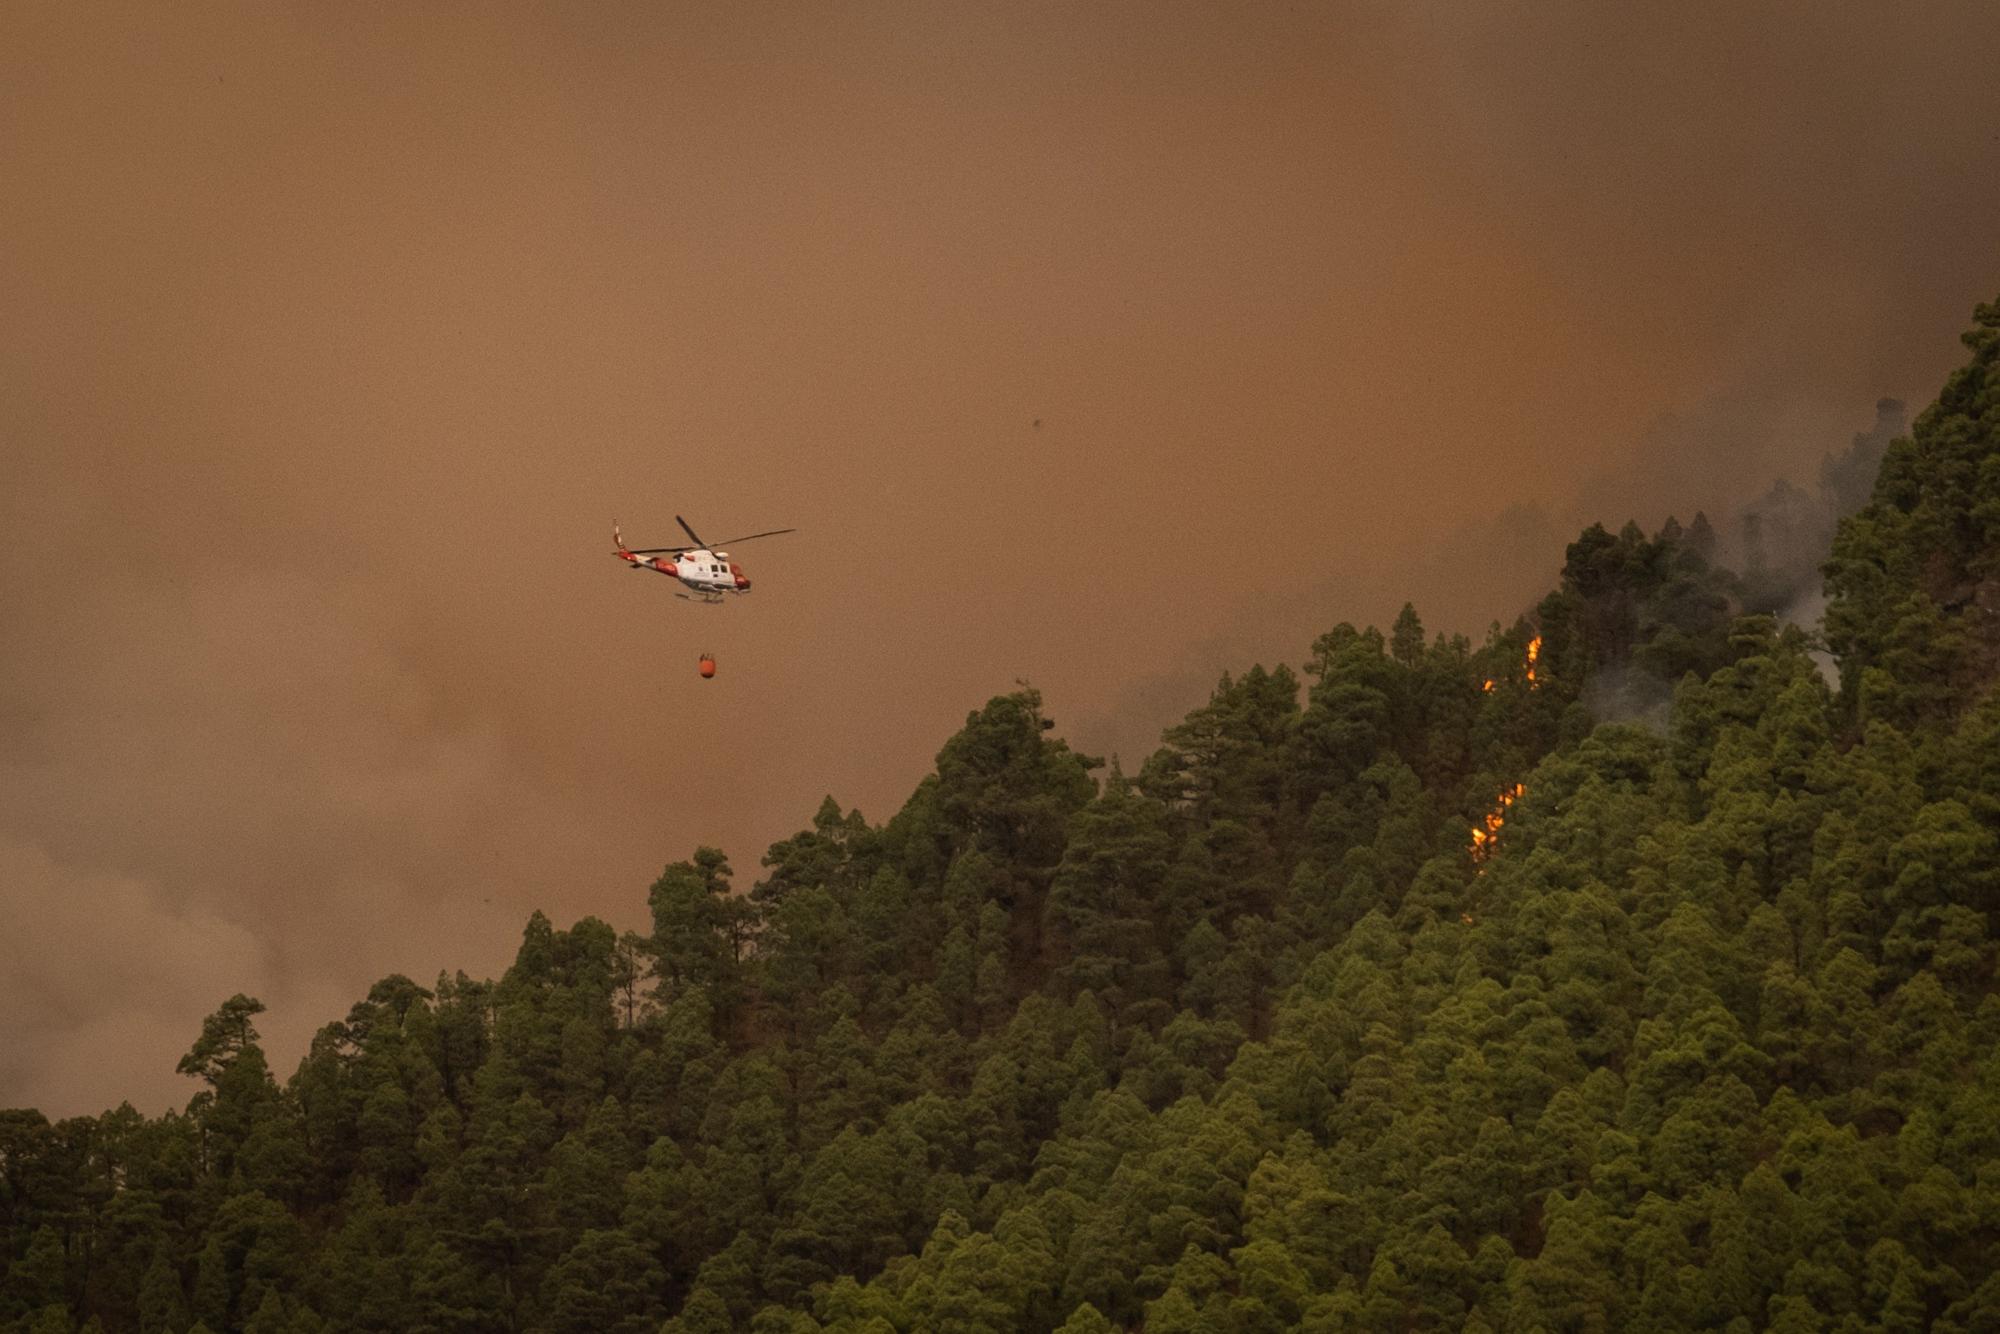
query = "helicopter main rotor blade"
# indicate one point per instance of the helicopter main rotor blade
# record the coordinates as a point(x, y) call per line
point(699, 544)
point(734, 540)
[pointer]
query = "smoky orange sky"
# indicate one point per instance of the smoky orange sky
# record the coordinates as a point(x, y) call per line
point(334, 337)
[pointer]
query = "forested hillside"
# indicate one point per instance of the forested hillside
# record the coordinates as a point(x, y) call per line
point(1616, 973)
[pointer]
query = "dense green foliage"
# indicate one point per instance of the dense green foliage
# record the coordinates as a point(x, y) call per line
point(1244, 1041)
point(1915, 576)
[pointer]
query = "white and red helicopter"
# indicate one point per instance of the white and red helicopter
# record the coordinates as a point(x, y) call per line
point(706, 572)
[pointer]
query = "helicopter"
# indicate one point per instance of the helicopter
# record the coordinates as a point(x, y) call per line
point(706, 572)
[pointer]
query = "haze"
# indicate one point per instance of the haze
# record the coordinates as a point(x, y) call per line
point(1100, 346)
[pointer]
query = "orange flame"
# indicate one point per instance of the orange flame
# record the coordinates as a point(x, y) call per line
point(1534, 652)
point(1486, 834)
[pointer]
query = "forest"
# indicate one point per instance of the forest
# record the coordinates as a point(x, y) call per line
point(1632, 969)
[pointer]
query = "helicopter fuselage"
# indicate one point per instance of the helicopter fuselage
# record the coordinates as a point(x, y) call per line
point(709, 573)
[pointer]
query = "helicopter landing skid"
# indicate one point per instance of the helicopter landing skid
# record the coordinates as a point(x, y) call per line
point(712, 599)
